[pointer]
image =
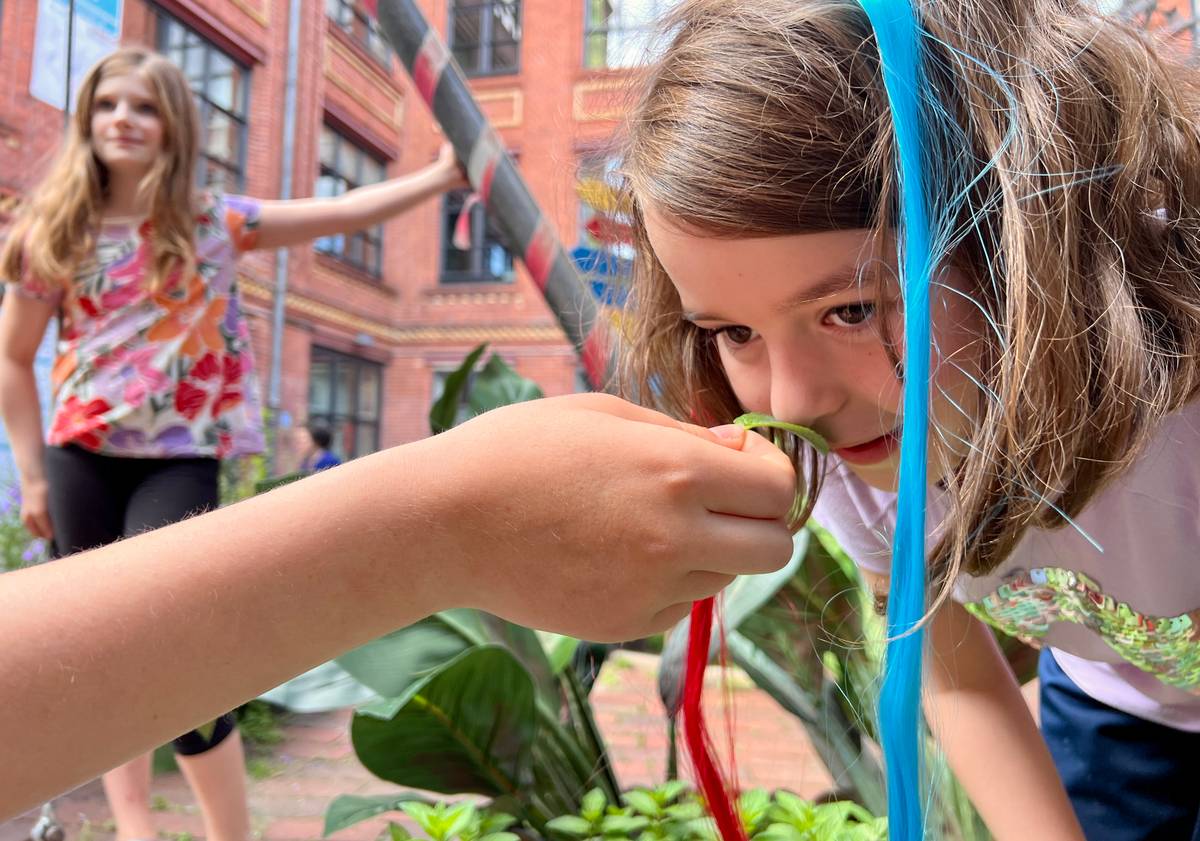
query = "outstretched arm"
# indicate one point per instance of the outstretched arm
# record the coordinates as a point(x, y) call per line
point(979, 716)
point(291, 222)
point(581, 514)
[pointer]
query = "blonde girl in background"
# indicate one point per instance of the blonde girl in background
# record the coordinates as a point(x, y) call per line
point(154, 379)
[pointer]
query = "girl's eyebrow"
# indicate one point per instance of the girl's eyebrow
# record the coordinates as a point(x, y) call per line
point(835, 283)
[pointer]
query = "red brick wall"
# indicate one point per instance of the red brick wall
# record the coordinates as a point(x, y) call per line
point(549, 113)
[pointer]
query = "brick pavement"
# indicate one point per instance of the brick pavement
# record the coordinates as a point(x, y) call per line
point(315, 763)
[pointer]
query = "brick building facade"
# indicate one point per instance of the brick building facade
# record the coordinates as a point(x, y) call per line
point(373, 320)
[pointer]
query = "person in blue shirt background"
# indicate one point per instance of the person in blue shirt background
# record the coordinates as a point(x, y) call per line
point(317, 455)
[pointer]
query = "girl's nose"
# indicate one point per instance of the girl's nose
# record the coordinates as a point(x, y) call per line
point(805, 390)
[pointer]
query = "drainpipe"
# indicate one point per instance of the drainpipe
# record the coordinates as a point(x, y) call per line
point(287, 165)
point(70, 55)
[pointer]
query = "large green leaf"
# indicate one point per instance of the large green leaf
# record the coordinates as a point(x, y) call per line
point(326, 687)
point(349, 809)
point(444, 413)
point(393, 663)
point(499, 385)
point(745, 595)
point(468, 727)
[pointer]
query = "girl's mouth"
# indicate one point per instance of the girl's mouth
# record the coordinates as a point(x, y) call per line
point(871, 452)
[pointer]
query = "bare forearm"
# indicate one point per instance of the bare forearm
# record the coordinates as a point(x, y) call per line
point(22, 418)
point(980, 718)
point(365, 206)
point(296, 577)
point(113, 651)
point(300, 220)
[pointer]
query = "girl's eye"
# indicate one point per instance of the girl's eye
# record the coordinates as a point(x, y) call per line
point(735, 334)
point(104, 104)
point(147, 108)
point(852, 315)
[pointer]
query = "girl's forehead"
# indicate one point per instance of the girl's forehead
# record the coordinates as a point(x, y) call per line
point(129, 83)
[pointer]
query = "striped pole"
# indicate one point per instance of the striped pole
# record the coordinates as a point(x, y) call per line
point(492, 172)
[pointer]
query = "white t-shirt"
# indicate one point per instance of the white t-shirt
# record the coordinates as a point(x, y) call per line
point(1123, 620)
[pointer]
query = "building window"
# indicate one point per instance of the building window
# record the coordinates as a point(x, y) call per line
point(222, 90)
point(620, 33)
point(344, 394)
point(486, 260)
point(485, 35)
point(355, 21)
point(345, 166)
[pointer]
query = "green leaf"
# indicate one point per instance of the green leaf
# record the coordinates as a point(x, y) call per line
point(757, 420)
point(444, 413)
point(743, 597)
point(501, 836)
point(643, 803)
point(752, 808)
point(458, 819)
point(790, 807)
point(594, 804)
point(495, 823)
point(623, 824)
point(348, 809)
point(689, 811)
point(669, 791)
point(398, 833)
point(704, 829)
point(425, 814)
point(784, 832)
point(571, 825)
point(499, 385)
point(561, 652)
point(468, 727)
point(393, 663)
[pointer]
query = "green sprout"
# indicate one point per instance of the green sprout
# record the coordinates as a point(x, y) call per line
point(758, 420)
point(808, 460)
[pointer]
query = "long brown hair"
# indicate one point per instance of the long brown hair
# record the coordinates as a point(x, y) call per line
point(55, 230)
point(1079, 158)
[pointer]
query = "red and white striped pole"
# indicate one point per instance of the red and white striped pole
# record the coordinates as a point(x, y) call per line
point(525, 229)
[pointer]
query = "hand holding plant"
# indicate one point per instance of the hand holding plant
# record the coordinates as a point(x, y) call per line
point(645, 514)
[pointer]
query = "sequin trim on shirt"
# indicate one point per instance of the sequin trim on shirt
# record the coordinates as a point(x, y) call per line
point(1030, 601)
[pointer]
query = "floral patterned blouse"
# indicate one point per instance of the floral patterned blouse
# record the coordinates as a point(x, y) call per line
point(145, 373)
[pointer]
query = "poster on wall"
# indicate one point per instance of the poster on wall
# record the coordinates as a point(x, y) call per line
point(97, 33)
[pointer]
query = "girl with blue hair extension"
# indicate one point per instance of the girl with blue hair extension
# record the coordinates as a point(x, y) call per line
point(853, 214)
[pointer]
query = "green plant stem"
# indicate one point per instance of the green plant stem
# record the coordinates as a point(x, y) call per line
point(580, 711)
point(839, 750)
point(568, 746)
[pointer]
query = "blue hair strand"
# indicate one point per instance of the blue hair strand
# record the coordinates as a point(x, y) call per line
point(898, 38)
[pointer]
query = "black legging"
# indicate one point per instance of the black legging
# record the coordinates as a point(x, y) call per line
point(96, 500)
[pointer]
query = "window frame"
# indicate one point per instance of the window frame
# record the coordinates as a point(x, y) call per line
point(591, 29)
point(361, 28)
point(483, 233)
point(487, 41)
point(372, 236)
point(204, 104)
point(335, 418)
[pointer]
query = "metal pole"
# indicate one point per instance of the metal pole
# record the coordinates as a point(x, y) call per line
point(287, 165)
point(70, 56)
point(521, 223)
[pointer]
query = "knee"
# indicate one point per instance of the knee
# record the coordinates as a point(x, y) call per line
point(203, 739)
